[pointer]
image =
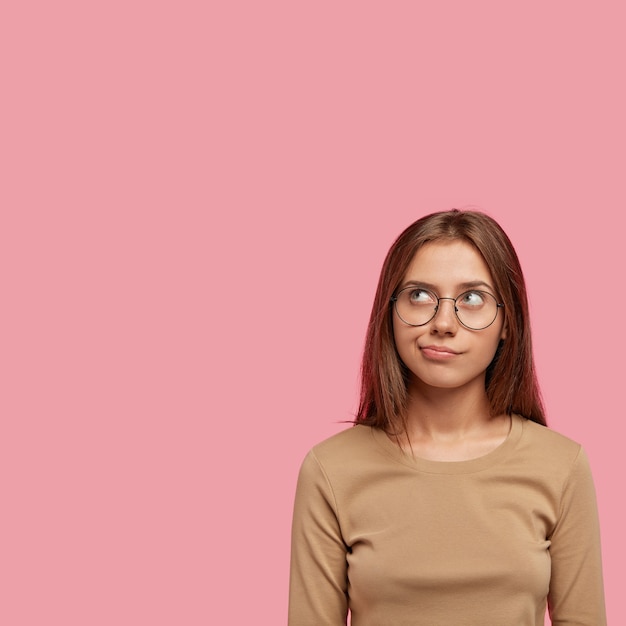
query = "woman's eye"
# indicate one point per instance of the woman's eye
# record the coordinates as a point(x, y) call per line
point(420, 296)
point(472, 298)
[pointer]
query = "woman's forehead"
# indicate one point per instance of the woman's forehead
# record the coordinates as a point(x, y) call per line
point(449, 263)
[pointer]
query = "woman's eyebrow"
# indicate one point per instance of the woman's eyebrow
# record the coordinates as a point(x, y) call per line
point(472, 284)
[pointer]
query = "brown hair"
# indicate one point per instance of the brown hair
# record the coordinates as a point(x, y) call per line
point(511, 382)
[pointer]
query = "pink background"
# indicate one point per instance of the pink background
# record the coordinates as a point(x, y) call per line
point(196, 200)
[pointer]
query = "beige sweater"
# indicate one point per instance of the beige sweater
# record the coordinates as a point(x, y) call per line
point(404, 541)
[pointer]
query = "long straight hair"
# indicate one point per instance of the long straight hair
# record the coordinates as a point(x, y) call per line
point(510, 383)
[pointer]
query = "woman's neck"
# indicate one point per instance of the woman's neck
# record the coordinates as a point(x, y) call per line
point(446, 410)
point(452, 424)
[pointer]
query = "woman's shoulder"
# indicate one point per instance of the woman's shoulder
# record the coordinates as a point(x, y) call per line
point(346, 459)
point(351, 447)
point(548, 435)
point(350, 441)
point(548, 444)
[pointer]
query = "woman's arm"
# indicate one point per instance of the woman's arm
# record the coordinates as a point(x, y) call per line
point(318, 589)
point(576, 596)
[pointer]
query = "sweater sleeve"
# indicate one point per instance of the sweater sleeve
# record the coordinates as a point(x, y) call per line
point(318, 585)
point(576, 596)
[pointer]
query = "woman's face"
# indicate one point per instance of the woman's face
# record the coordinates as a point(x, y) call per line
point(443, 353)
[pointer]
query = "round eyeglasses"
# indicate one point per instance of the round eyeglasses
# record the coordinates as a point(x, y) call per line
point(474, 309)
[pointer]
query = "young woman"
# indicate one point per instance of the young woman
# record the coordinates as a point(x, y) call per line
point(449, 503)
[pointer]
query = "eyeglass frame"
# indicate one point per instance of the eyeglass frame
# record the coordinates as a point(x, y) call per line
point(394, 299)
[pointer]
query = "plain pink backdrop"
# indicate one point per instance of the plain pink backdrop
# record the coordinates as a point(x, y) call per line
point(196, 199)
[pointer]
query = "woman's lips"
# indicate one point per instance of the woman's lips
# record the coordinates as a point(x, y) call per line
point(438, 353)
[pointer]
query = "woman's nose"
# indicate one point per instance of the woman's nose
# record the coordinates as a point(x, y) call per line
point(445, 319)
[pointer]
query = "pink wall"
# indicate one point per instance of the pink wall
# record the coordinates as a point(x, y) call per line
point(195, 207)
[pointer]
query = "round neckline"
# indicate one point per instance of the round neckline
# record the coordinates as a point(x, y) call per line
point(452, 467)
